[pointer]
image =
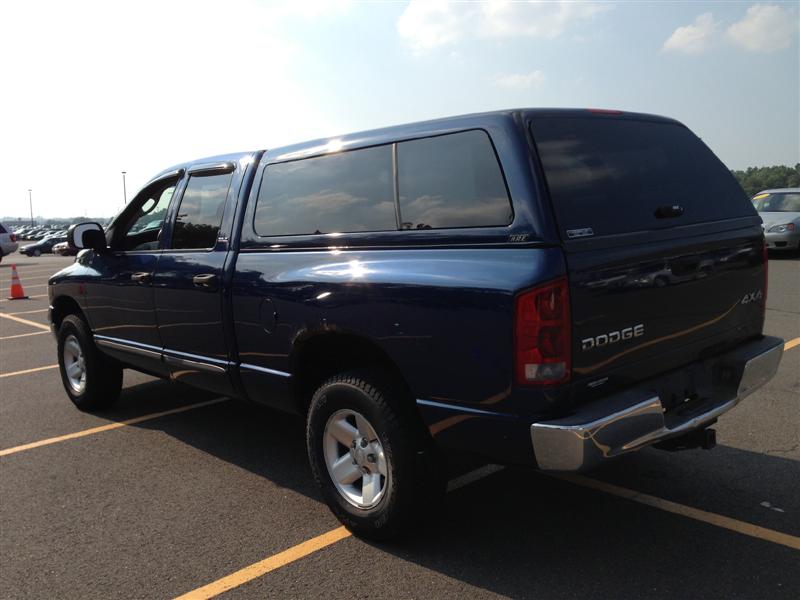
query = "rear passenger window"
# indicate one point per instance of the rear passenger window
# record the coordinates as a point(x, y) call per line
point(345, 192)
point(200, 211)
point(451, 181)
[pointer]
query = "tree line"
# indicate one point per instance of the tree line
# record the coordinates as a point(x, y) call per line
point(755, 179)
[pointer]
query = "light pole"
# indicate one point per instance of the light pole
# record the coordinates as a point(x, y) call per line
point(124, 189)
point(30, 204)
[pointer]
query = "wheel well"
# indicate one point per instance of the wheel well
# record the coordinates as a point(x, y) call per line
point(324, 355)
point(63, 306)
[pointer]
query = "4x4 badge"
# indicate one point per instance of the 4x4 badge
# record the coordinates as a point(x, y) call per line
point(752, 297)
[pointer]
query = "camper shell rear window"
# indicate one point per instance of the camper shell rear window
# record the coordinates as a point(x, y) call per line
point(609, 175)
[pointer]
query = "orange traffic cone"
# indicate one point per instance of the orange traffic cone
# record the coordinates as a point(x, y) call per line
point(16, 287)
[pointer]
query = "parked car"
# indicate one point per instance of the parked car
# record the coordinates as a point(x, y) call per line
point(64, 249)
point(8, 242)
point(43, 246)
point(428, 286)
point(780, 211)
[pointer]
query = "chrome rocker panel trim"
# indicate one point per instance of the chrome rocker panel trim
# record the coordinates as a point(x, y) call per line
point(127, 346)
point(636, 418)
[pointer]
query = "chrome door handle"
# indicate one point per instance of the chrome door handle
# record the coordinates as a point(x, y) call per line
point(142, 277)
point(206, 280)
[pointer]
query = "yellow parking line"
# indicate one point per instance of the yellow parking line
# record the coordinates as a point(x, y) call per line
point(29, 278)
point(31, 271)
point(791, 344)
point(109, 426)
point(29, 312)
point(34, 296)
point(303, 549)
point(755, 531)
point(25, 321)
point(308, 547)
point(27, 286)
point(276, 561)
point(26, 371)
point(27, 275)
point(19, 335)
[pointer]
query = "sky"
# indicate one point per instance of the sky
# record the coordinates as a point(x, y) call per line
point(91, 89)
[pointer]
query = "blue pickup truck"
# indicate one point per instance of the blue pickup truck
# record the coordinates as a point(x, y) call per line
point(540, 287)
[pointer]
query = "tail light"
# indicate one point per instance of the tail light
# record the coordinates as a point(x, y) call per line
point(542, 335)
point(13, 237)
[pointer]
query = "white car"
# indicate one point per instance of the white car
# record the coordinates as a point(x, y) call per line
point(780, 212)
point(8, 242)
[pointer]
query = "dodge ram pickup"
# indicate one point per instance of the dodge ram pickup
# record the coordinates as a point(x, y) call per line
point(540, 287)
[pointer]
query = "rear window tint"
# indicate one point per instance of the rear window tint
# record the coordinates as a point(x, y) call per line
point(611, 175)
point(345, 192)
point(200, 211)
point(447, 181)
point(2, 229)
point(451, 181)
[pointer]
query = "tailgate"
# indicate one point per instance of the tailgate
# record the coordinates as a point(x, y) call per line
point(664, 250)
point(666, 303)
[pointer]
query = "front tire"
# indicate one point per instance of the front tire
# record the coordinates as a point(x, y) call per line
point(90, 380)
point(37, 252)
point(377, 468)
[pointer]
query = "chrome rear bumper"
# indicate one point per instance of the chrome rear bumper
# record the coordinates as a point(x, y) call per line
point(636, 418)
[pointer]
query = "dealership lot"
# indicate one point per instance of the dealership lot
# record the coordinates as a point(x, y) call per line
point(133, 502)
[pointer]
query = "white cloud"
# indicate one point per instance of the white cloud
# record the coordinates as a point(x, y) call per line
point(765, 27)
point(430, 24)
point(535, 19)
point(520, 81)
point(693, 38)
point(427, 24)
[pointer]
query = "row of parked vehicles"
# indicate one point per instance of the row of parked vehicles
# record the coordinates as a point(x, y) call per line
point(45, 240)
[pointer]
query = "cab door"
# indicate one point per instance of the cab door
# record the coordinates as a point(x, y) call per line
point(120, 295)
point(188, 284)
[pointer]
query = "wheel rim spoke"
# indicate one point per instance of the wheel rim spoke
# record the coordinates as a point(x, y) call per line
point(371, 487)
point(74, 364)
point(344, 471)
point(72, 348)
point(343, 432)
point(381, 462)
point(364, 428)
point(365, 459)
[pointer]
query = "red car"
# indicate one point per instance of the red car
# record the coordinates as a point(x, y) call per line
point(64, 249)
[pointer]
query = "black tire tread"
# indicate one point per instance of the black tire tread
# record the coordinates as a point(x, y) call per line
point(416, 462)
point(103, 376)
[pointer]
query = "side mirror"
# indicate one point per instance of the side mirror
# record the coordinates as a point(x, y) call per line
point(87, 235)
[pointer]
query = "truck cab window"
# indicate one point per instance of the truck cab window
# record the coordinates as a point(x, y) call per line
point(200, 211)
point(145, 227)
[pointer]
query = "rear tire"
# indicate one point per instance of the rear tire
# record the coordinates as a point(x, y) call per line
point(91, 380)
point(389, 475)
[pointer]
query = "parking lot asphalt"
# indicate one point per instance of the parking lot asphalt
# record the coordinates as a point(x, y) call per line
point(124, 504)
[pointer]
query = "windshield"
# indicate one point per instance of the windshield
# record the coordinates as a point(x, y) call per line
point(777, 202)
